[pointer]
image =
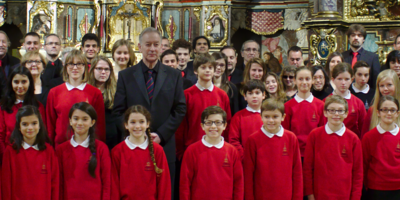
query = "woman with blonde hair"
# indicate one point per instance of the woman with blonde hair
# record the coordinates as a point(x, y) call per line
point(274, 88)
point(123, 55)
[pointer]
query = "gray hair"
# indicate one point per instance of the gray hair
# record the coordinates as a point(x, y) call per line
point(55, 35)
point(149, 30)
point(248, 41)
point(8, 39)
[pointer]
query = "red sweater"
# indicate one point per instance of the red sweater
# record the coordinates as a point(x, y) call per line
point(243, 124)
point(7, 124)
point(211, 173)
point(60, 101)
point(355, 119)
point(75, 180)
point(272, 167)
point(367, 121)
point(30, 174)
point(190, 130)
point(381, 160)
point(133, 175)
point(332, 167)
point(301, 118)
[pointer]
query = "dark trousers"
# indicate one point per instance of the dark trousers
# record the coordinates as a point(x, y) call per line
point(177, 178)
point(381, 195)
point(171, 167)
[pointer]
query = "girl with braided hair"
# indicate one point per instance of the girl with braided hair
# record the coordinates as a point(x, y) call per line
point(139, 165)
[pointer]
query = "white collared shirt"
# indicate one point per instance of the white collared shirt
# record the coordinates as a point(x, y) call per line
point(83, 144)
point(252, 110)
point(393, 132)
point(348, 95)
point(79, 87)
point(18, 101)
point(134, 146)
point(364, 91)
point(340, 132)
point(218, 146)
point(270, 135)
point(201, 88)
point(299, 99)
point(27, 146)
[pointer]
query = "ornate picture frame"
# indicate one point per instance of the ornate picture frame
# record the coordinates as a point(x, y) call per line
point(42, 17)
point(216, 27)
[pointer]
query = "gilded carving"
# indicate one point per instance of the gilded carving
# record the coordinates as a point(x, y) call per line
point(41, 17)
point(159, 9)
point(171, 29)
point(322, 44)
point(361, 10)
point(97, 12)
point(60, 9)
point(216, 26)
point(196, 12)
point(83, 27)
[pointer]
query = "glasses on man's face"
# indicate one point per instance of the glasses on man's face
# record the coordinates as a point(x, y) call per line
point(251, 50)
point(78, 65)
point(31, 62)
point(210, 123)
point(100, 69)
point(333, 111)
point(53, 43)
point(388, 111)
point(285, 77)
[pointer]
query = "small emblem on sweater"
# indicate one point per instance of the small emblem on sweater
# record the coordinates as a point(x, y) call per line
point(148, 167)
point(344, 152)
point(284, 152)
point(353, 112)
point(44, 170)
point(398, 147)
point(226, 161)
point(314, 118)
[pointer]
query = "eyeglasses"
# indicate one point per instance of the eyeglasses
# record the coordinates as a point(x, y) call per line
point(30, 62)
point(78, 65)
point(333, 111)
point(285, 77)
point(53, 43)
point(102, 69)
point(388, 111)
point(250, 50)
point(217, 123)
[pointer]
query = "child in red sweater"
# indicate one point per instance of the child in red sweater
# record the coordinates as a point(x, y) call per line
point(381, 151)
point(198, 97)
point(272, 162)
point(211, 168)
point(139, 165)
point(30, 167)
point(332, 167)
point(304, 112)
point(85, 163)
point(248, 120)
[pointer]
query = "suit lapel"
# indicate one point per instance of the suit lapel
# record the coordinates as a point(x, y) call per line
point(140, 82)
point(161, 76)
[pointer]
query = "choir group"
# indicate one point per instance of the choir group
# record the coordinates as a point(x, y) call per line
point(78, 126)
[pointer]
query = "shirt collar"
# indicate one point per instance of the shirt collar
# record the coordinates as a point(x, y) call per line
point(393, 132)
point(27, 146)
point(270, 135)
point(201, 88)
point(133, 146)
point(218, 146)
point(252, 110)
point(299, 99)
point(18, 101)
point(360, 51)
point(79, 87)
point(85, 143)
point(145, 68)
point(348, 95)
point(364, 91)
point(340, 132)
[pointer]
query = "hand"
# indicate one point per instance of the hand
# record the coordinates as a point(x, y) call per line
point(155, 138)
point(311, 197)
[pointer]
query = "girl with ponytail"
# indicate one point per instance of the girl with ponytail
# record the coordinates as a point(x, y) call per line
point(139, 165)
point(85, 163)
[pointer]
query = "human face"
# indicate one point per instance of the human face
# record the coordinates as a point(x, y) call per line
point(396, 45)
point(165, 45)
point(32, 43)
point(137, 125)
point(386, 87)
point(271, 85)
point(304, 81)
point(288, 79)
point(75, 69)
point(170, 60)
point(318, 80)
point(150, 47)
point(90, 48)
point(201, 46)
point(35, 65)
point(3, 45)
point(295, 58)
point(20, 85)
point(335, 60)
point(388, 112)
point(220, 68)
point(254, 98)
point(214, 131)
point(102, 71)
point(272, 120)
point(232, 59)
point(52, 46)
point(251, 50)
point(29, 127)
point(356, 39)
point(121, 55)
point(216, 22)
point(362, 76)
point(342, 82)
point(205, 72)
point(183, 56)
point(395, 66)
point(256, 71)
point(81, 122)
point(335, 119)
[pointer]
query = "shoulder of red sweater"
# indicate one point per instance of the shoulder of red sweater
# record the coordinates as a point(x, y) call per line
point(157, 147)
point(89, 87)
point(256, 134)
point(100, 144)
point(319, 130)
point(64, 145)
point(356, 99)
point(350, 133)
point(371, 133)
point(49, 148)
point(289, 133)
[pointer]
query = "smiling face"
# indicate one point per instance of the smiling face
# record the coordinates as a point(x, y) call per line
point(304, 80)
point(32, 43)
point(271, 85)
point(81, 122)
point(334, 61)
point(295, 58)
point(137, 125)
point(201, 46)
point(90, 48)
point(256, 71)
point(318, 80)
point(395, 66)
point(35, 65)
point(288, 79)
point(183, 56)
point(20, 85)
point(386, 87)
point(205, 72)
point(232, 59)
point(170, 60)
point(220, 67)
point(214, 131)
point(29, 127)
point(335, 119)
point(3, 45)
point(121, 56)
point(272, 120)
point(388, 112)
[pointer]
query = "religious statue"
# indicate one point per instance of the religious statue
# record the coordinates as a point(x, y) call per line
point(218, 31)
point(41, 24)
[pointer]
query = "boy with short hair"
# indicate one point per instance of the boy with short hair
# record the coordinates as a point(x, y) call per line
point(198, 97)
point(272, 162)
point(360, 87)
point(247, 121)
point(333, 167)
point(212, 168)
point(90, 46)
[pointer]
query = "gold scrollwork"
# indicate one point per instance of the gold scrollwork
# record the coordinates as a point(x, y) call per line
point(82, 25)
point(215, 12)
point(371, 11)
point(97, 14)
point(196, 12)
point(171, 29)
point(60, 9)
point(159, 10)
point(45, 7)
point(315, 39)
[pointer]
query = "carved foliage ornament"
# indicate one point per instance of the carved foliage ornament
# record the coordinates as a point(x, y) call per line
point(322, 44)
point(366, 10)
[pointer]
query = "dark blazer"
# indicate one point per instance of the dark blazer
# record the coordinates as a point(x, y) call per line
point(52, 74)
point(237, 76)
point(9, 62)
point(189, 72)
point(371, 59)
point(168, 106)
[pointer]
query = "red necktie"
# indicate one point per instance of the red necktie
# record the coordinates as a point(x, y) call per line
point(1, 63)
point(354, 59)
point(229, 77)
point(183, 73)
point(89, 65)
point(52, 63)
